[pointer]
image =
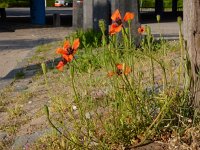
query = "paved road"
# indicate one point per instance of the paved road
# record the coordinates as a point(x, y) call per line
point(25, 12)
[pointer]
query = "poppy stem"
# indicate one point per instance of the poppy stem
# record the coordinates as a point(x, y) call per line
point(130, 38)
point(125, 31)
point(54, 127)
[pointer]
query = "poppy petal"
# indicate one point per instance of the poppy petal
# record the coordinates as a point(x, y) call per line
point(114, 28)
point(116, 15)
point(66, 45)
point(60, 66)
point(60, 51)
point(119, 66)
point(110, 74)
point(141, 30)
point(127, 70)
point(118, 28)
point(76, 44)
point(68, 58)
point(129, 16)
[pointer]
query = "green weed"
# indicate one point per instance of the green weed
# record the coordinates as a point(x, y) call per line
point(119, 95)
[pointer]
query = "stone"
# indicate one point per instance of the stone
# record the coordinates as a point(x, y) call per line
point(19, 88)
point(3, 135)
point(22, 141)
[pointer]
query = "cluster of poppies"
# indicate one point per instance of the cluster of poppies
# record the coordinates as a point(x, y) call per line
point(67, 52)
point(118, 22)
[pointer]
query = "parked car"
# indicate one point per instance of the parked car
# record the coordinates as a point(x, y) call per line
point(60, 3)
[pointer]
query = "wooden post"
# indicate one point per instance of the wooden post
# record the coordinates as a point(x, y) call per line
point(78, 13)
point(56, 20)
point(88, 19)
point(93, 11)
point(191, 14)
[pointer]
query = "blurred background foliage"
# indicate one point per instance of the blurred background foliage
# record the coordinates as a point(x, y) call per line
point(25, 3)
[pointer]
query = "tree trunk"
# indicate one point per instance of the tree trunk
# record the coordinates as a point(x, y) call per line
point(191, 12)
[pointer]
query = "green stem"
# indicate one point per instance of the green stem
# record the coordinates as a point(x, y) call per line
point(130, 37)
point(54, 127)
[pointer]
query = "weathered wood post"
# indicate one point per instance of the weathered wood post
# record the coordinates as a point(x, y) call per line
point(78, 13)
point(93, 11)
point(128, 6)
point(191, 15)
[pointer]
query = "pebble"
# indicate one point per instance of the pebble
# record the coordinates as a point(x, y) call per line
point(30, 102)
point(3, 135)
point(19, 88)
point(22, 141)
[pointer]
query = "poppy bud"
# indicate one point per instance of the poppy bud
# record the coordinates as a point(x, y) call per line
point(44, 68)
point(158, 18)
point(179, 20)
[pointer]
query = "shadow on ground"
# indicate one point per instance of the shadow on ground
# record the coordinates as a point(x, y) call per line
point(26, 71)
point(27, 43)
point(150, 17)
point(13, 23)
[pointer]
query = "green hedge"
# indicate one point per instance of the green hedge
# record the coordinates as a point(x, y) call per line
point(21, 3)
point(50, 3)
point(151, 3)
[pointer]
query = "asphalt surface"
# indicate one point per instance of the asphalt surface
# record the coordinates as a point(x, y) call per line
point(25, 12)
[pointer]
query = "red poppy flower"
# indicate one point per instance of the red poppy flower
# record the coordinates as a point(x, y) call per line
point(60, 65)
point(110, 74)
point(141, 30)
point(129, 16)
point(117, 24)
point(114, 28)
point(120, 70)
point(67, 53)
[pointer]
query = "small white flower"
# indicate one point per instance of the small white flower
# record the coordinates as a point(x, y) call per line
point(189, 120)
point(74, 108)
point(87, 115)
point(30, 102)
